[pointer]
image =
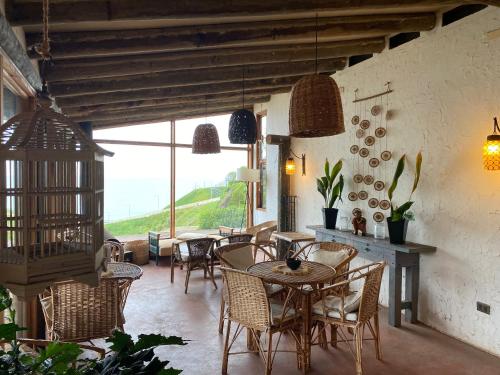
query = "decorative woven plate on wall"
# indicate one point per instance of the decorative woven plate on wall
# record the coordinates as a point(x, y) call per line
point(380, 132)
point(386, 155)
point(373, 202)
point(353, 196)
point(364, 152)
point(379, 185)
point(365, 124)
point(360, 133)
point(384, 204)
point(354, 149)
point(355, 211)
point(378, 217)
point(358, 178)
point(355, 120)
point(368, 179)
point(363, 195)
point(370, 140)
point(376, 109)
point(374, 162)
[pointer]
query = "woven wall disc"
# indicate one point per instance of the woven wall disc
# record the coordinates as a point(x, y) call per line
point(355, 120)
point(380, 132)
point(379, 185)
point(378, 217)
point(363, 195)
point(370, 140)
point(365, 124)
point(368, 179)
point(354, 149)
point(374, 162)
point(364, 152)
point(376, 109)
point(358, 178)
point(373, 202)
point(360, 133)
point(355, 211)
point(386, 155)
point(384, 204)
point(353, 196)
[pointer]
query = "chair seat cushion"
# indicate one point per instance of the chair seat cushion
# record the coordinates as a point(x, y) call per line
point(330, 258)
point(166, 246)
point(277, 313)
point(333, 306)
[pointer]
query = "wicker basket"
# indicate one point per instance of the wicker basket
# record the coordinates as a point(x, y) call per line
point(140, 251)
point(316, 108)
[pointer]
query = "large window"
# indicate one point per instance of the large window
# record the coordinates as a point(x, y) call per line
point(151, 161)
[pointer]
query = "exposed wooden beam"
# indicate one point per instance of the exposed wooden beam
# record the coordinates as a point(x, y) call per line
point(131, 113)
point(283, 83)
point(250, 97)
point(89, 68)
point(116, 42)
point(193, 77)
point(25, 13)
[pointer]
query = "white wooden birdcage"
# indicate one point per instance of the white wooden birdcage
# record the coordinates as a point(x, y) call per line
point(51, 202)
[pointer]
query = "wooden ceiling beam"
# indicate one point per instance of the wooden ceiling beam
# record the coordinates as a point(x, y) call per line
point(271, 84)
point(119, 42)
point(90, 68)
point(27, 13)
point(193, 77)
point(250, 97)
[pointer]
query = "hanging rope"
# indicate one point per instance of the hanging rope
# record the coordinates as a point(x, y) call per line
point(316, 47)
point(45, 48)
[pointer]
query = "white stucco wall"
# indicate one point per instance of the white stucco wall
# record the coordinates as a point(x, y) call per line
point(446, 91)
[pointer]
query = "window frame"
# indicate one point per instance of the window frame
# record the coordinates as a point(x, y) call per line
point(261, 164)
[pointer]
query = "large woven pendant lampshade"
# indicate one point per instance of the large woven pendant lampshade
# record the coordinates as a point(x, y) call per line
point(243, 127)
point(206, 140)
point(315, 108)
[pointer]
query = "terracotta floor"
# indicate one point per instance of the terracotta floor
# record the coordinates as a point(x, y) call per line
point(157, 306)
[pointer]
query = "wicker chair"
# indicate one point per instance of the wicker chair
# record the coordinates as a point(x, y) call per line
point(240, 256)
point(351, 310)
point(196, 257)
point(78, 312)
point(249, 307)
point(114, 250)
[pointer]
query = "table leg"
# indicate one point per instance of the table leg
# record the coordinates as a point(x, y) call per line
point(412, 282)
point(305, 363)
point(395, 280)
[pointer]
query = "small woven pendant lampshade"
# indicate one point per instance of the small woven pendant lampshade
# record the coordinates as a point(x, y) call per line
point(243, 127)
point(491, 150)
point(206, 140)
point(315, 108)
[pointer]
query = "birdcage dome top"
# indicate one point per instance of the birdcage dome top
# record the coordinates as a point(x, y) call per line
point(45, 129)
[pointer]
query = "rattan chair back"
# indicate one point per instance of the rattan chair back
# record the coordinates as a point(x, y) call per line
point(371, 290)
point(246, 300)
point(199, 248)
point(263, 236)
point(239, 238)
point(115, 250)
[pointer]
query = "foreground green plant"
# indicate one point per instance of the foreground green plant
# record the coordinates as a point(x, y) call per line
point(402, 212)
point(326, 187)
point(125, 357)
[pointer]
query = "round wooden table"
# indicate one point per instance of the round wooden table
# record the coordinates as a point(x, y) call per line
point(318, 274)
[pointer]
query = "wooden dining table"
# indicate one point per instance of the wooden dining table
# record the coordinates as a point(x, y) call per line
point(317, 275)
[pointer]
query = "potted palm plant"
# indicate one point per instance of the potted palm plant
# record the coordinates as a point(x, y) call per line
point(331, 192)
point(397, 223)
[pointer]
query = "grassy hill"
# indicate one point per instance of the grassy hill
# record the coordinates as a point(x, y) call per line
point(226, 211)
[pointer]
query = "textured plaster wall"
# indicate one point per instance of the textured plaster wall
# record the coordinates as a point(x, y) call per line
point(446, 91)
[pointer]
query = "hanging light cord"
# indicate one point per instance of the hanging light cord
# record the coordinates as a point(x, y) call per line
point(316, 47)
point(495, 126)
point(243, 85)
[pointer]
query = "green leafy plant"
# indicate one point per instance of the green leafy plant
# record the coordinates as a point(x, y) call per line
point(326, 187)
point(402, 212)
point(126, 356)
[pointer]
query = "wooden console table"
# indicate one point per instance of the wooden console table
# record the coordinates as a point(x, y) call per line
point(405, 256)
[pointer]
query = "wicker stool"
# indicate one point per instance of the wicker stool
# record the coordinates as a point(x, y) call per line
point(140, 251)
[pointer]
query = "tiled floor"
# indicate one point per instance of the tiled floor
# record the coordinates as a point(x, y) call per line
point(157, 306)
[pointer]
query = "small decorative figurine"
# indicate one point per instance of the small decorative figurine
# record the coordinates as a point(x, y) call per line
point(359, 224)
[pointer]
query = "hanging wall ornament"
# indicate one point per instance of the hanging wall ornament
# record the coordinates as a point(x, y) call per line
point(385, 204)
point(374, 162)
point(373, 202)
point(353, 196)
point(370, 140)
point(386, 155)
point(358, 178)
point(368, 179)
point(363, 195)
point(379, 185)
point(354, 149)
point(360, 133)
point(365, 124)
point(355, 120)
point(355, 211)
point(378, 217)
point(364, 152)
point(380, 132)
point(376, 109)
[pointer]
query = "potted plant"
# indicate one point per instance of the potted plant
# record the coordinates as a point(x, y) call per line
point(397, 223)
point(331, 192)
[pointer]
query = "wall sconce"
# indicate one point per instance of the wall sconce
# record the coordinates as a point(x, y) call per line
point(290, 166)
point(491, 149)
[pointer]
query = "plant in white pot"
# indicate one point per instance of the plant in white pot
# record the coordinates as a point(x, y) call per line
point(331, 192)
point(397, 223)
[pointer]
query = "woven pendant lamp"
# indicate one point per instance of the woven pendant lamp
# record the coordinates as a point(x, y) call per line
point(206, 140)
point(491, 149)
point(243, 125)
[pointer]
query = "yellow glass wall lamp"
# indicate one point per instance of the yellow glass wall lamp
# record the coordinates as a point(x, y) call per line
point(491, 149)
point(290, 166)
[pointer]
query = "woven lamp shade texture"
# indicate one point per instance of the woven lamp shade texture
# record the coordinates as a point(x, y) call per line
point(243, 127)
point(316, 108)
point(206, 140)
point(491, 153)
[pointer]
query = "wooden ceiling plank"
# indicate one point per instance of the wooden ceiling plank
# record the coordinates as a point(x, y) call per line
point(193, 77)
point(119, 42)
point(91, 68)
